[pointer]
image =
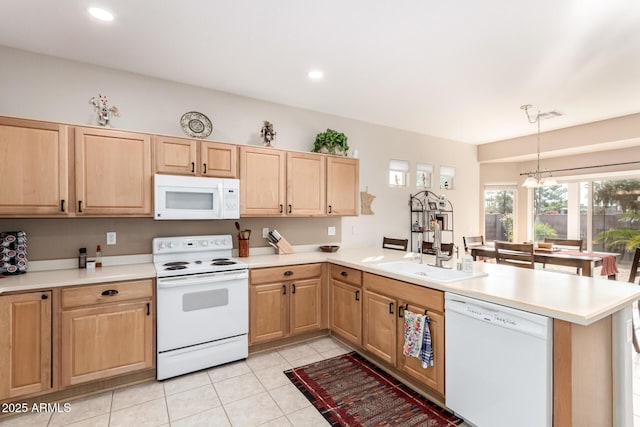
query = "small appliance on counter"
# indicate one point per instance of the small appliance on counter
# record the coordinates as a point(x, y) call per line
point(13, 252)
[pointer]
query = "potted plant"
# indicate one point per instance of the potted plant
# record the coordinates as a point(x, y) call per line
point(331, 142)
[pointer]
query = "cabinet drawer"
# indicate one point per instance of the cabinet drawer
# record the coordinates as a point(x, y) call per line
point(346, 275)
point(106, 293)
point(286, 273)
point(431, 299)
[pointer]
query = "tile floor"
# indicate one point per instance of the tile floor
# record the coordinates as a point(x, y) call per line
point(254, 392)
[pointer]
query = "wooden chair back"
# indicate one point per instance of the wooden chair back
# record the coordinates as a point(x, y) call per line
point(515, 254)
point(397, 244)
point(566, 243)
point(470, 241)
point(445, 248)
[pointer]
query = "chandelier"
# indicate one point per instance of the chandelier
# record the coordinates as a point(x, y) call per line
point(535, 178)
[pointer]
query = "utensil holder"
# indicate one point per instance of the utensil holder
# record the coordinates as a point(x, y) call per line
point(243, 248)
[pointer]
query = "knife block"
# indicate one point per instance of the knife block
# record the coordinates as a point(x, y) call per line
point(284, 247)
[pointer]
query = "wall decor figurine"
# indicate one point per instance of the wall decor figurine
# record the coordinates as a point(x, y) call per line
point(366, 199)
point(103, 110)
point(267, 133)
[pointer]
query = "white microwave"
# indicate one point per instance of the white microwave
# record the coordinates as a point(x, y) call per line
point(190, 197)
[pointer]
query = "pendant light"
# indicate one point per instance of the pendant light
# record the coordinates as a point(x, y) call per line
point(534, 178)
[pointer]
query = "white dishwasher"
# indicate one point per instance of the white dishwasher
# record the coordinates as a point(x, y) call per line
point(498, 364)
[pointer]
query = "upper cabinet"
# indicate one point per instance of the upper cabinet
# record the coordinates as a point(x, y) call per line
point(342, 186)
point(182, 156)
point(113, 172)
point(34, 159)
point(289, 183)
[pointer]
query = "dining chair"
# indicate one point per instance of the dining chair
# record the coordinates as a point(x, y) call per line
point(397, 244)
point(515, 254)
point(445, 248)
point(633, 273)
point(565, 244)
point(470, 241)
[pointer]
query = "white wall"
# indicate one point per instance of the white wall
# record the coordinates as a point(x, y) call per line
point(47, 88)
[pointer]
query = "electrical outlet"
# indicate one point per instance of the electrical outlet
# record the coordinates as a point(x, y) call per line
point(265, 232)
point(331, 231)
point(111, 237)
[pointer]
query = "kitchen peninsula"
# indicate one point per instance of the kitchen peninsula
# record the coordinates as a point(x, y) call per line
point(591, 317)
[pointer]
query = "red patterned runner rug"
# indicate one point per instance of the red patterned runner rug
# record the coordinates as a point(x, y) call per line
point(350, 391)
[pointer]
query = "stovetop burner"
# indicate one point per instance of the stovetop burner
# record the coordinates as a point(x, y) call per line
point(175, 263)
point(223, 262)
point(176, 267)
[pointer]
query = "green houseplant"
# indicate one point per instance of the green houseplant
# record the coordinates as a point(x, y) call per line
point(331, 142)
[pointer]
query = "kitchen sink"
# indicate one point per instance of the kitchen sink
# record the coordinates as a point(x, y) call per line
point(430, 272)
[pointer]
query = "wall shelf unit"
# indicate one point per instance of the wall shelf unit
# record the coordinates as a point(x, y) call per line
point(425, 207)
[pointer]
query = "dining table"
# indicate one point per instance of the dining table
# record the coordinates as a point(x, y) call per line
point(585, 261)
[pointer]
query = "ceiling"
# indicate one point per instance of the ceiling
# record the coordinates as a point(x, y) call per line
point(458, 70)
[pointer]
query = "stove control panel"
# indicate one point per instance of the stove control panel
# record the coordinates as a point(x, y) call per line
point(191, 243)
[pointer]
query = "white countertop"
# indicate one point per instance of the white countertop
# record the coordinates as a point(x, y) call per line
point(577, 299)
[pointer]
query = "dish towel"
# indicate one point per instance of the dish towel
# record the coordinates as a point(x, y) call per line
point(413, 334)
point(426, 351)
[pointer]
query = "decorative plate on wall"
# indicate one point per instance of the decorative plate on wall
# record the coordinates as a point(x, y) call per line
point(196, 124)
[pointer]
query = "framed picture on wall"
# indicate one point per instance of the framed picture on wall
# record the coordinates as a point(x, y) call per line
point(433, 206)
point(442, 219)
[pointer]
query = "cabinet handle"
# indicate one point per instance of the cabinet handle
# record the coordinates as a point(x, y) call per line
point(288, 273)
point(110, 292)
point(62, 205)
point(390, 308)
point(193, 167)
point(357, 295)
point(284, 289)
point(329, 208)
point(401, 311)
point(79, 205)
point(289, 208)
point(205, 168)
point(280, 208)
point(44, 296)
point(148, 309)
point(344, 274)
point(293, 288)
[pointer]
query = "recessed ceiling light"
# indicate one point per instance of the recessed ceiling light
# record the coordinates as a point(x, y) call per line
point(315, 74)
point(101, 14)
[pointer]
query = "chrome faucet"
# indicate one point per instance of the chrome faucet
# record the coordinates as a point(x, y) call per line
point(418, 255)
point(437, 242)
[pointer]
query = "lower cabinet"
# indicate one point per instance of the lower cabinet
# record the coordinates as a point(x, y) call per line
point(346, 303)
point(106, 330)
point(25, 344)
point(285, 301)
point(385, 301)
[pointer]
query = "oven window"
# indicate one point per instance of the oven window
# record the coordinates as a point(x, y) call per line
point(187, 200)
point(205, 299)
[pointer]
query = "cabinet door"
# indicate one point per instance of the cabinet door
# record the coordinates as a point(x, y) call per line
point(34, 159)
point(106, 340)
point(342, 186)
point(268, 312)
point(346, 311)
point(306, 184)
point(433, 376)
point(25, 344)
point(175, 155)
point(218, 159)
point(305, 301)
point(113, 173)
point(379, 326)
point(262, 182)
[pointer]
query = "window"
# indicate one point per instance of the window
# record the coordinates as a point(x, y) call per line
point(447, 177)
point(499, 202)
point(423, 175)
point(551, 207)
point(398, 171)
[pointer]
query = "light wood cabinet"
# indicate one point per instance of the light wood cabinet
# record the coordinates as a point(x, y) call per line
point(181, 156)
point(385, 301)
point(106, 330)
point(285, 301)
point(306, 184)
point(342, 185)
point(113, 173)
point(35, 173)
point(262, 181)
point(25, 344)
point(346, 303)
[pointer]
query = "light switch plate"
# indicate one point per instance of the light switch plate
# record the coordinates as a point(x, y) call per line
point(111, 237)
point(265, 233)
point(331, 231)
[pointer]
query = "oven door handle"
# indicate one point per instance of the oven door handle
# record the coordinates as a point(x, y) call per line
point(174, 282)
